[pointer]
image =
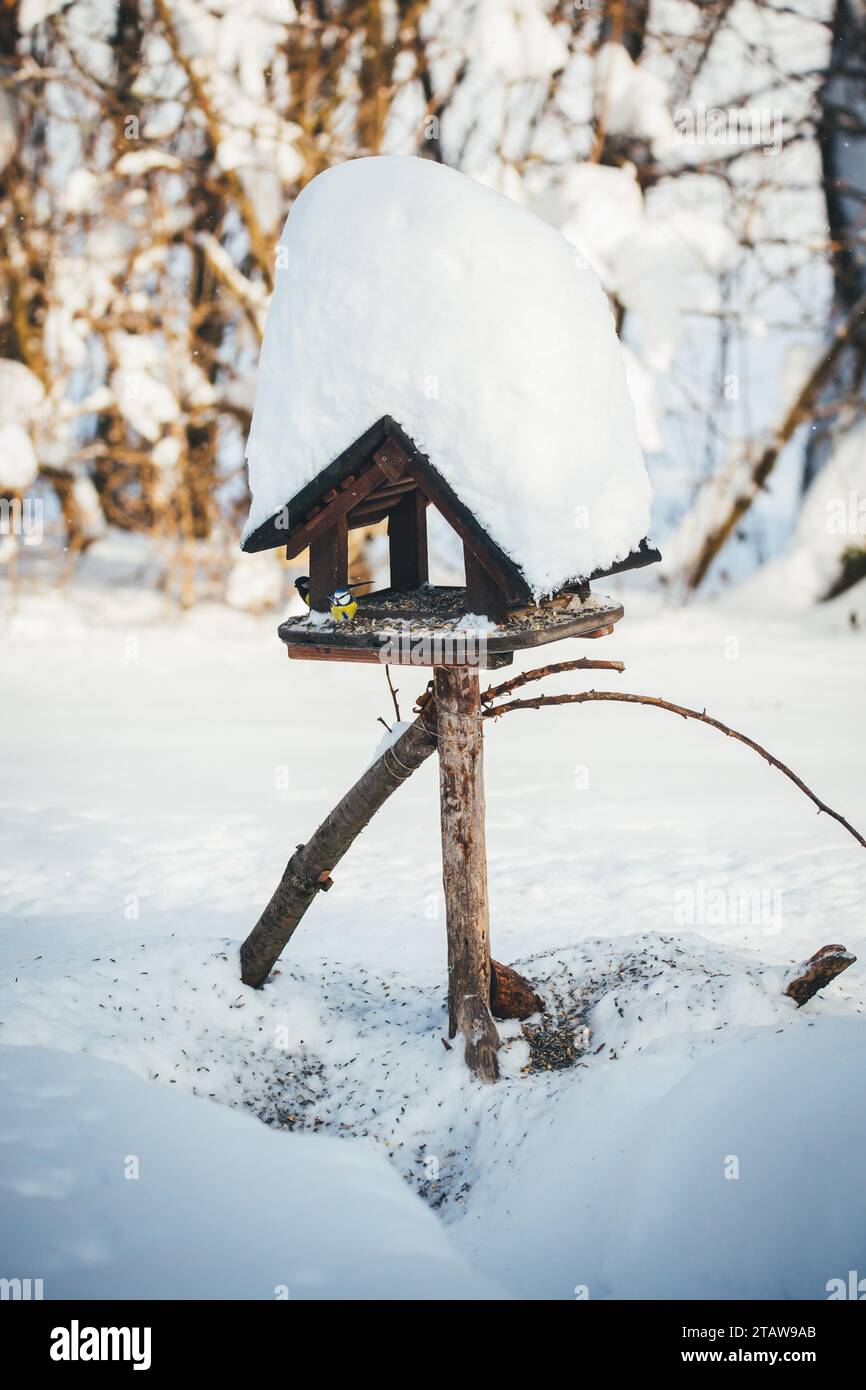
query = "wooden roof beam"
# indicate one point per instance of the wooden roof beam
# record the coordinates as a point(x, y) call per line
point(312, 529)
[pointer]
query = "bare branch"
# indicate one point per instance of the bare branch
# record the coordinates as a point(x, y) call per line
point(586, 696)
point(394, 693)
point(557, 668)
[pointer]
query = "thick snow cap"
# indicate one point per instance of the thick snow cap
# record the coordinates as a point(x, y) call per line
point(404, 288)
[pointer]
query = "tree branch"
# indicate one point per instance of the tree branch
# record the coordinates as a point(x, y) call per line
point(757, 477)
point(557, 668)
point(586, 696)
point(394, 693)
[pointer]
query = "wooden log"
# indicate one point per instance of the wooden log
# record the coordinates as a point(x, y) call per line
point(816, 972)
point(308, 871)
point(511, 996)
point(464, 865)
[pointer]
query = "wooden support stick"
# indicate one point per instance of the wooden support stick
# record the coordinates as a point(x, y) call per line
point(464, 865)
point(308, 871)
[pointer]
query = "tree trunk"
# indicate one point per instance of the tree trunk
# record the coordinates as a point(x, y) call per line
point(841, 130)
point(750, 483)
point(464, 865)
point(308, 870)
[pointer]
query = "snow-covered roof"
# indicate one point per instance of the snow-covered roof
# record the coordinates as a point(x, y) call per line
point(405, 289)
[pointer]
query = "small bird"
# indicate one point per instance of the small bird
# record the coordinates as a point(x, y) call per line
point(342, 602)
point(343, 606)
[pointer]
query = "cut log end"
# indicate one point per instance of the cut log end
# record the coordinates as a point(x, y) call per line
point(817, 972)
point(511, 996)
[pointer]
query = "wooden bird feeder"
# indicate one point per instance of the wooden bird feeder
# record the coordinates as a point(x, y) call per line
point(411, 622)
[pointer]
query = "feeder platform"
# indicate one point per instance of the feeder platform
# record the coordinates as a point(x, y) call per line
point(429, 626)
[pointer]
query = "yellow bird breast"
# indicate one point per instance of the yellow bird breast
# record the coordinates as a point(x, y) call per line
point(343, 612)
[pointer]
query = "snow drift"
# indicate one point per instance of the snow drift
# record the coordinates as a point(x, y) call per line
point(116, 1188)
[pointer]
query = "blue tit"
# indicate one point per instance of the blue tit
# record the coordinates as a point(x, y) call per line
point(343, 606)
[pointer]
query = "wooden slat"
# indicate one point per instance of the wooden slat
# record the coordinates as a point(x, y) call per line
point(388, 491)
point(384, 498)
point(296, 651)
point(369, 518)
point(347, 498)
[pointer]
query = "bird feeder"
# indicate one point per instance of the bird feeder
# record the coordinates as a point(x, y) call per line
point(458, 631)
point(490, 342)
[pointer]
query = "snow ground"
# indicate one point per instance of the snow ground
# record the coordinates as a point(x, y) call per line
point(654, 879)
point(112, 1185)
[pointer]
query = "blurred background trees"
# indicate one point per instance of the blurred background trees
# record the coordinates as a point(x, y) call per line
point(708, 158)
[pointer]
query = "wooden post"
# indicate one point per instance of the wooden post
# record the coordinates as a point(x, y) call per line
point(464, 865)
point(407, 542)
point(329, 564)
